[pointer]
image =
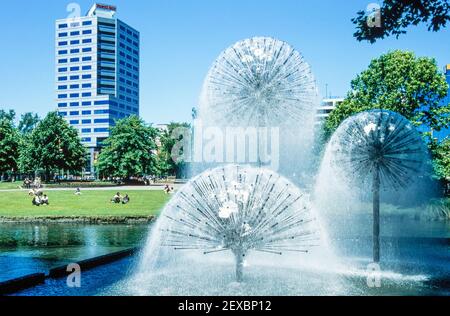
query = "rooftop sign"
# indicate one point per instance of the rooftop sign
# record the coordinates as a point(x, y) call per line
point(106, 7)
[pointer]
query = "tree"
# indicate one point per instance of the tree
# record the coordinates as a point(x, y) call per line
point(53, 146)
point(441, 158)
point(10, 115)
point(9, 146)
point(167, 162)
point(28, 122)
point(129, 151)
point(400, 82)
point(396, 15)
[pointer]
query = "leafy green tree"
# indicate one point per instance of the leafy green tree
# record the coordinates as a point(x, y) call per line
point(9, 146)
point(441, 158)
point(400, 82)
point(53, 146)
point(28, 122)
point(8, 115)
point(395, 16)
point(130, 151)
point(169, 156)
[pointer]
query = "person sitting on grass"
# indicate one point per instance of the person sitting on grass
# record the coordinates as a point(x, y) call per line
point(36, 201)
point(78, 191)
point(44, 200)
point(126, 199)
point(117, 198)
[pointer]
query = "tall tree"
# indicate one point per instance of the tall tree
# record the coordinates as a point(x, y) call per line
point(9, 146)
point(8, 115)
point(130, 150)
point(395, 16)
point(441, 158)
point(169, 161)
point(401, 82)
point(52, 146)
point(28, 122)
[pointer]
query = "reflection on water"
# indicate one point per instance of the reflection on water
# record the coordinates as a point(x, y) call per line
point(31, 248)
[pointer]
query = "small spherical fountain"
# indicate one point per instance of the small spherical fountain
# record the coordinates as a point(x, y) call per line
point(380, 149)
point(239, 209)
point(259, 81)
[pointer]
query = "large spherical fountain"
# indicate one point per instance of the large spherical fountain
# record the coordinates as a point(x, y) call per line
point(377, 149)
point(240, 210)
point(259, 81)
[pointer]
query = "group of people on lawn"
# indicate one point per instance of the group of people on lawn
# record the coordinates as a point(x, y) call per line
point(117, 199)
point(39, 198)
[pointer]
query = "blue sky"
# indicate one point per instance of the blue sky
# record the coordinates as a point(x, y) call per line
point(181, 38)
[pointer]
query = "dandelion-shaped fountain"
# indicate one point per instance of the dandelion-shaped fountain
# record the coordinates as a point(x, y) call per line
point(240, 209)
point(259, 81)
point(377, 148)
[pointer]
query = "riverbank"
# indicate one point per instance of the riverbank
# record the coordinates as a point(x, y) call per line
point(85, 220)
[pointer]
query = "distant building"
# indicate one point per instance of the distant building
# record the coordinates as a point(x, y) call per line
point(97, 73)
point(326, 107)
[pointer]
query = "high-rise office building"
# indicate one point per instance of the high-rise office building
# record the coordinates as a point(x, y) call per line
point(445, 133)
point(325, 109)
point(97, 73)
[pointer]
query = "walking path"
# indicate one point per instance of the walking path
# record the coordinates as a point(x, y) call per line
point(112, 188)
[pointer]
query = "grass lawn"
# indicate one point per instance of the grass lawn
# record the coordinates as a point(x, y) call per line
point(90, 203)
point(10, 185)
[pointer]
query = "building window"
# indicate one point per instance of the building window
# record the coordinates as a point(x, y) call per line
point(87, 23)
point(74, 113)
point(62, 61)
point(63, 114)
point(86, 94)
point(105, 102)
point(62, 26)
point(74, 95)
point(86, 122)
point(74, 68)
point(75, 33)
point(62, 105)
point(86, 85)
point(64, 34)
point(62, 69)
point(87, 49)
point(98, 112)
point(86, 112)
point(62, 78)
point(74, 104)
point(74, 86)
point(74, 77)
point(101, 130)
point(87, 40)
point(87, 32)
point(87, 76)
point(87, 67)
point(88, 58)
point(62, 96)
point(86, 130)
point(86, 140)
point(74, 60)
point(75, 42)
point(62, 52)
point(62, 87)
point(101, 121)
point(74, 51)
point(86, 103)
point(64, 43)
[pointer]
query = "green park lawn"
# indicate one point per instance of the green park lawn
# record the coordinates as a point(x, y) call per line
point(9, 185)
point(90, 203)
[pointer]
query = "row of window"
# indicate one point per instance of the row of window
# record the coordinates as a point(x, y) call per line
point(75, 33)
point(75, 51)
point(75, 42)
point(129, 40)
point(89, 112)
point(75, 86)
point(75, 77)
point(128, 57)
point(74, 24)
point(86, 122)
point(86, 103)
point(74, 68)
point(96, 130)
point(129, 32)
point(129, 74)
point(74, 60)
point(74, 95)
point(129, 49)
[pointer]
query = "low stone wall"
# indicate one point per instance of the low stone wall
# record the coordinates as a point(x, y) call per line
point(87, 220)
point(22, 283)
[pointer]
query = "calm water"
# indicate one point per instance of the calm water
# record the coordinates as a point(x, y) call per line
point(30, 248)
point(412, 248)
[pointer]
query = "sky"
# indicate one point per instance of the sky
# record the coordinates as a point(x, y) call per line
point(180, 39)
